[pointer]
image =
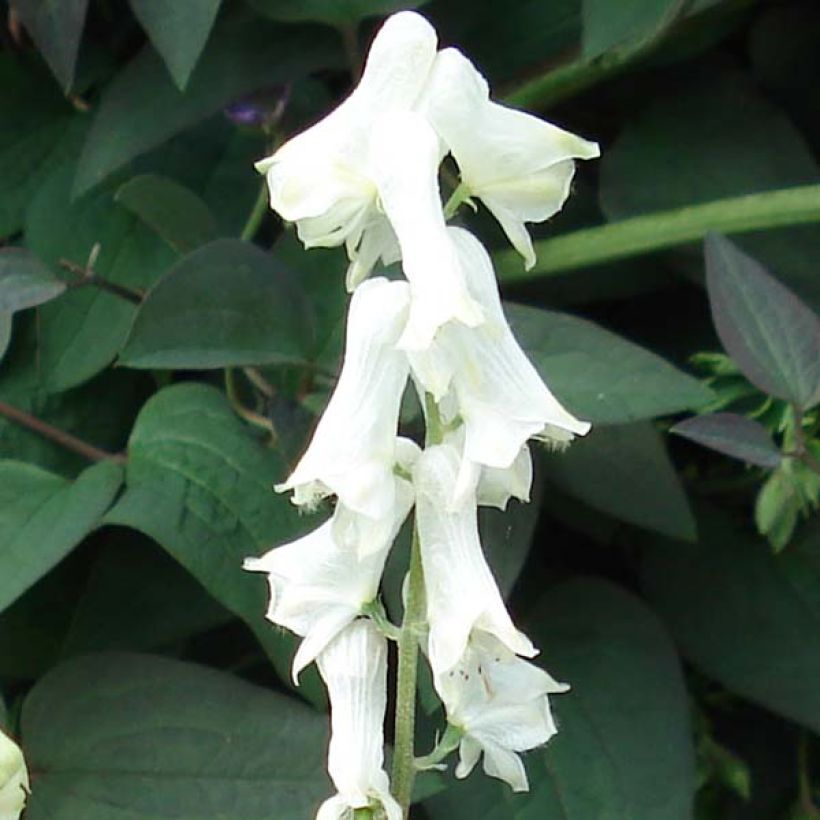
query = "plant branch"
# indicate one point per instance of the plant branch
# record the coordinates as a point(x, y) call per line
point(58, 436)
point(252, 417)
point(257, 214)
point(664, 229)
point(87, 276)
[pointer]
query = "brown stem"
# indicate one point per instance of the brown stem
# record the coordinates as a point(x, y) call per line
point(62, 438)
point(87, 276)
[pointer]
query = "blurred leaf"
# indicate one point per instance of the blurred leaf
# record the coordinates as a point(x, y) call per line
point(178, 31)
point(141, 107)
point(5, 332)
point(81, 332)
point(165, 604)
point(777, 508)
point(600, 376)
point(733, 435)
point(43, 517)
point(135, 736)
point(769, 333)
point(25, 281)
point(173, 211)
point(708, 136)
point(629, 21)
point(35, 119)
point(623, 727)
point(332, 12)
point(227, 303)
point(201, 485)
point(625, 471)
point(746, 617)
point(56, 26)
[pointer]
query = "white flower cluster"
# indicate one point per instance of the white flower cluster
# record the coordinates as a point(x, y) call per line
point(14, 784)
point(367, 176)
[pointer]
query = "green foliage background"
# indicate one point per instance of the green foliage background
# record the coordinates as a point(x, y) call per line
point(166, 344)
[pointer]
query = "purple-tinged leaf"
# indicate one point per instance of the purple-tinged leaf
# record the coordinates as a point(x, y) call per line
point(773, 337)
point(732, 435)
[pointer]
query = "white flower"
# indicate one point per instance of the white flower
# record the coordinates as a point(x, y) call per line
point(496, 391)
point(354, 667)
point(520, 166)
point(14, 784)
point(500, 704)
point(461, 592)
point(321, 179)
point(407, 155)
point(352, 451)
point(320, 582)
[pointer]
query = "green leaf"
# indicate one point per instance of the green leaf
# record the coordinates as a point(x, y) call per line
point(120, 736)
point(769, 333)
point(629, 21)
point(201, 485)
point(178, 31)
point(141, 107)
point(332, 12)
point(707, 137)
point(748, 618)
point(25, 281)
point(228, 303)
point(599, 375)
point(170, 209)
point(778, 506)
point(5, 332)
point(81, 332)
point(56, 26)
point(733, 435)
point(43, 517)
point(623, 726)
point(625, 471)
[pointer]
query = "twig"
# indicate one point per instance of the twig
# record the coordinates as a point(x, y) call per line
point(87, 276)
point(62, 438)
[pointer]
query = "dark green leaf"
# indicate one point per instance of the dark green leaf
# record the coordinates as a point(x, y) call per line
point(778, 506)
point(710, 136)
point(173, 211)
point(43, 517)
point(769, 333)
point(56, 26)
point(598, 375)
point(5, 332)
point(747, 617)
point(332, 12)
point(142, 108)
point(623, 727)
point(734, 435)
point(228, 303)
point(201, 485)
point(115, 736)
point(81, 332)
point(25, 281)
point(178, 31)
point(628, 21)
point(624, 471)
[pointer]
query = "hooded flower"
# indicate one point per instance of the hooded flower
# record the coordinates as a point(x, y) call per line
point(354, 667)
point(14, 784)
point(461, 592)
point(320, 582)
point(352, 452)
point(500, 704)
point(322, 178)
point(520, 166)
point(493, 387)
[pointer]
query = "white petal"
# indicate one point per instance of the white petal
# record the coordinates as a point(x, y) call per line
point(354, 668)
point(519, 165)
point(497, 486)
point(461, 591)
point(14, 782)
point(406, 156)
point(505, 765)
point(377, 242)
point(469, 752)
point(352, 452)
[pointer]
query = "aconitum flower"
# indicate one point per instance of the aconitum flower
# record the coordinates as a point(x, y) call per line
point(500, 704)
point(354, 668)
point(14, 783)
point(462, 595)
point(352, 452)
point(520, 166)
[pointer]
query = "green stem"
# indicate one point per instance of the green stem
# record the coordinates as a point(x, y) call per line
point(460, 194)
point(448, 743)
point(404, 770)
point(665, 229)
point(257, 214)
point(250, 416)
